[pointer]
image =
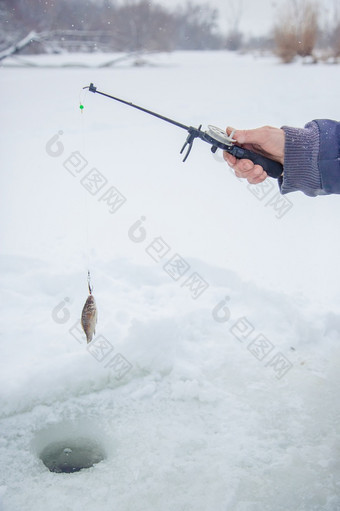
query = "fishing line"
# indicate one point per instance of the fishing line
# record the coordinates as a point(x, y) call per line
point(89, 312)
point(87, 205)
point(82, 99)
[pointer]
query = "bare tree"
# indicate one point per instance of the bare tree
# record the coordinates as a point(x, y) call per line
point(335, 31)
point(307, 28)
point(20, 45)
point(76, 25)
point(336, 42)
point(297, 30)
point(196, 27)
point(143, 26)
point(234, 36)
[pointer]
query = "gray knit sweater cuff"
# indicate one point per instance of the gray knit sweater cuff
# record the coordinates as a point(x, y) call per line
point(300, 169)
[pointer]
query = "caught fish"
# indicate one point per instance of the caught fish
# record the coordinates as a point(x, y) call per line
point(89, 316)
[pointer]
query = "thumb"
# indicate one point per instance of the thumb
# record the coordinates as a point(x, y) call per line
point(254, 136)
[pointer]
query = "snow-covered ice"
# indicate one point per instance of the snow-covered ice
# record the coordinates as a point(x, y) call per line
point(212, 383)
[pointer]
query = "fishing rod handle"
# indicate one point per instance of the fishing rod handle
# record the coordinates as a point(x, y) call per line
point(273, 168)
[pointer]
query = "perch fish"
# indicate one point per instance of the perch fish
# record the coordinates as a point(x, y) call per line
point(89, 316)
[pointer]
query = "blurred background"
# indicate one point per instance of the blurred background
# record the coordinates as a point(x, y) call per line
point(288, 28)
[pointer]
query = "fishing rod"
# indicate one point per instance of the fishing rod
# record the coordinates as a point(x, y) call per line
point(216, 137)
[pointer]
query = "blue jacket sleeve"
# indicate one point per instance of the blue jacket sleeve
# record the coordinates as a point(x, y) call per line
point(312, 158)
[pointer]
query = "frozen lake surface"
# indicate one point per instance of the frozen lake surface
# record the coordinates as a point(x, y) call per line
point(212, 382)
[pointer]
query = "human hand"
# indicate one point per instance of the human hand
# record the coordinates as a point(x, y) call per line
point(267, 141)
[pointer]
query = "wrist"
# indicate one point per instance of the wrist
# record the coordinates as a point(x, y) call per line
point(300, 163)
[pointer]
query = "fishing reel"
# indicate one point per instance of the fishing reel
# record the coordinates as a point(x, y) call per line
point(218, 139)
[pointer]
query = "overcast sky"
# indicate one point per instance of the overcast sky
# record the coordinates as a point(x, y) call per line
point(256, 16)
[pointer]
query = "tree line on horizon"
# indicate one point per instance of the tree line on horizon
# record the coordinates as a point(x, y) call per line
point(144, 26)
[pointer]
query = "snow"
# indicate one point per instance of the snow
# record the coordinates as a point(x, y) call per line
point(221, 397)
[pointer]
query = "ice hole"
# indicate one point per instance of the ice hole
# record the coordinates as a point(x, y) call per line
point(65, 448)
point(71, 455)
